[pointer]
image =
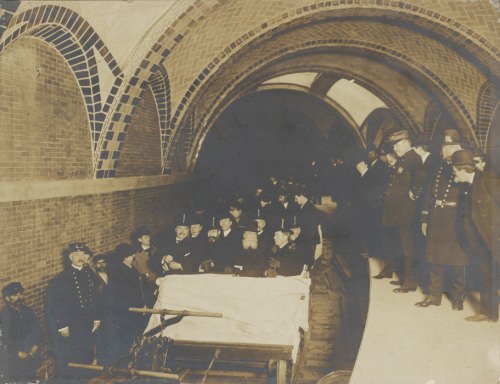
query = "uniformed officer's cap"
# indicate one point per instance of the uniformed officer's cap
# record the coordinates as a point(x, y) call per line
point(394, 137)
point(77, 247)
point(462, 157)
point(450, 137)
point(12, 289)
point(123, 250)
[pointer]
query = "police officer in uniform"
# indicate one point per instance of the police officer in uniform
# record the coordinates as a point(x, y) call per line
point(73, 312)
point(404, 188)
point(443, 253)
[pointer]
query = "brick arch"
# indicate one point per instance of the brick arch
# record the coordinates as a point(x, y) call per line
point(160, 86)
point(489, 97)
point(162, 43)
point(74, 38)
point(231, 84)
point(417, 19)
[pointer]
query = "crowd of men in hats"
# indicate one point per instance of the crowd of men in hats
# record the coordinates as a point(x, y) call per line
point(277, 232)
point(429, 216)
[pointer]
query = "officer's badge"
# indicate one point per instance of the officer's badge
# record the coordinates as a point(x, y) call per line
point(399, 170)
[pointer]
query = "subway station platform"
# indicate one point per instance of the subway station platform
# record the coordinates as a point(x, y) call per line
point(405, 344)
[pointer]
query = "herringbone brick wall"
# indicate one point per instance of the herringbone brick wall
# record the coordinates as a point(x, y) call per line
point(233, 19)
point(140, 154)
point(43, 126)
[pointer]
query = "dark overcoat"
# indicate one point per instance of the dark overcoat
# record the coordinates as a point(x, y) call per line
point(440, 209)
point(399, 208)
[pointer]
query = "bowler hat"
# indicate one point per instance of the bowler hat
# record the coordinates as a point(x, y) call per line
point(462, 157)
point(12, 289)
point(124, 250)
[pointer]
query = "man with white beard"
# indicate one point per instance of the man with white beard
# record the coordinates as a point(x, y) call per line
point(251, 261)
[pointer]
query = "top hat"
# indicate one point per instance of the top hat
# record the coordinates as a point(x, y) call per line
point(12, 289)
point(182, 221)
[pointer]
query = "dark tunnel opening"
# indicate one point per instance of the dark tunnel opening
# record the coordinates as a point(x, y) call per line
point(280, 133)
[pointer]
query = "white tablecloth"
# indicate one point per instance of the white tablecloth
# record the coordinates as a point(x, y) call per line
point(255, 310)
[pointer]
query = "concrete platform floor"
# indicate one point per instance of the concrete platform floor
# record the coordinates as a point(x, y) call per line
point(405, 344)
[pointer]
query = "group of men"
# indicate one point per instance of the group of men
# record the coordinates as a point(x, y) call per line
point(432, 219)
point(87, 304)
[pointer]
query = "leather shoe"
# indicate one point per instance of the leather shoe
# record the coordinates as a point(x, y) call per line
point(479, 317)
point(396, 282)
point(381, 276)
point(457, 306)
point(426, 303)
point(403, 290)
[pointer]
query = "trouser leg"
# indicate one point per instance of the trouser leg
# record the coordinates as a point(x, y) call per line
point(436, 274)
point(488, 288)
point(407, 246)
point(457, 291)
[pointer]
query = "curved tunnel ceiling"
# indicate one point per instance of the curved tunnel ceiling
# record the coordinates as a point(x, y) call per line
point(355, 99)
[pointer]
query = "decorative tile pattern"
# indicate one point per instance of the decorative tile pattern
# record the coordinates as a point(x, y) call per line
point(75, 39)
point(489, 98)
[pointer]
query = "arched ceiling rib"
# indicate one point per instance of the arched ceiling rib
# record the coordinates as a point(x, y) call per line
point(356, 100)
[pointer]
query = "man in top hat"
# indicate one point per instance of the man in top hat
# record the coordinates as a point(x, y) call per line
point(73, 311)
point(20, 336)
point(263, 233)
point(404, 188)
point(177, 253)
point(478, 227)
point(444, 257)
